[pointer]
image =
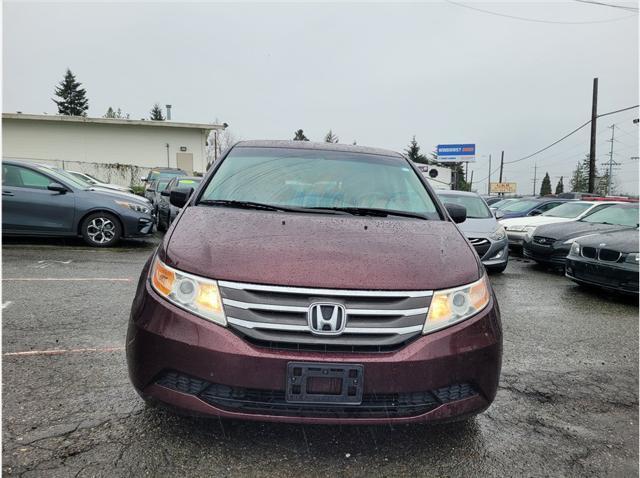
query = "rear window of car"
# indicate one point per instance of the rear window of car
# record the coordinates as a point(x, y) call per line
point(476, 207)
point(568, 210)
point(520, 206)
point(319, 179)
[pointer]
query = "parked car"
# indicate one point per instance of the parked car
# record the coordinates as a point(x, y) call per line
point(517, 228)
point(530, 207)
point(154, 190)
point(315, 283)
point(550, 244)
point(502, 203)
point(96, 182)
point(38, 200)
point(485, 234)
point(167, 212)
point(157, 173)
point(608, 260)
point(492, 199)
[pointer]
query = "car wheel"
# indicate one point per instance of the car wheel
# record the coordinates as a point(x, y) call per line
point(101, 229)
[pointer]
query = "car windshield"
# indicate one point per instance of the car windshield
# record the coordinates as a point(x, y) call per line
point(66, 177)
point(476, 207)
point(618, 215)
point(568, 210)
point(319, 179)
point(520, 206)
point(503, 202)
point(80, 176)
point(162, 184)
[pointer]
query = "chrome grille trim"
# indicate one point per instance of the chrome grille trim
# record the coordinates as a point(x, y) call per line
point(325, 292)
point(476, 241)
point(293, 308)
point(305, 328)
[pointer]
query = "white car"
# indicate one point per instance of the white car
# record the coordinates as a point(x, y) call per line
point(96, 182)
point(519, 227)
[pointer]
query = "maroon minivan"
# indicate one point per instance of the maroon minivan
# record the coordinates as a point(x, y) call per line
point(315, 283)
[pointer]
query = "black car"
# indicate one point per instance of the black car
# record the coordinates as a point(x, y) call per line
point(550, 244)
point(167, 212)
point(607, 260)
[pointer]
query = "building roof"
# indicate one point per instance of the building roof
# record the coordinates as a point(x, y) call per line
point(85, 119)
point(317, 146)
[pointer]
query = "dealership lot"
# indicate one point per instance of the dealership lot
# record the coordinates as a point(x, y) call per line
point(567, 403)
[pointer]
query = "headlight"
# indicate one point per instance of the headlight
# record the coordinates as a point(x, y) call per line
point(575, 249)
point(633, 257)
point(455, 305)
point(498, 234)
point(134, 206)
point(198, 295)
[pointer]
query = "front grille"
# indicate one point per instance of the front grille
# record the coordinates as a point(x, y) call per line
point(276, 317)
point(481, 245)
point(609, 255)
point(272, 402)
point(589, 252)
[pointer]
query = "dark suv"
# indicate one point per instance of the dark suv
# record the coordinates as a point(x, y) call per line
point(315, 283)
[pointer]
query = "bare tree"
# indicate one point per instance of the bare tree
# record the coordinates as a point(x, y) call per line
point(218, 142)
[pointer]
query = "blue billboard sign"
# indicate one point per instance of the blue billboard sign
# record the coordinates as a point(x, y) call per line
point(456, 153)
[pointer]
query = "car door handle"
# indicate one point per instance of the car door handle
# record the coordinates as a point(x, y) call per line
point(7, 193)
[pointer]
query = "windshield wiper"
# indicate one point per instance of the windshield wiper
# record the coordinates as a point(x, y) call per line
point(369, 211)
point(255, 205)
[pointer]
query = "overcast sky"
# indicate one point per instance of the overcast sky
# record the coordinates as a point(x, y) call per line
point(375, 73)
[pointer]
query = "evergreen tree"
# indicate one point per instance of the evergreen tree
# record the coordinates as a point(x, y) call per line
point(602, 182)
point(331, 138)
point(459, 183)
point(580, 176)
point(413, 152)
point(299, 136)
point(115, 114)
point(156, 113)
point(110, 113)
point(560, 186)
point(73, 100)
point(545, 188)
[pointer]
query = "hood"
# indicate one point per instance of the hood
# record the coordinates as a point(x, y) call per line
point(317, 250)
point(484, 226)
point(119, 194)
point(569, 230)
point(533, 221)
point(624, 241)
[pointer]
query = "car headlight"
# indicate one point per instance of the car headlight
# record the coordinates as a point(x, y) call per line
point(498, 234)
point(198, 295)
point(633, 257)
point(134, 206)
point(575, 249)
point(451, 306)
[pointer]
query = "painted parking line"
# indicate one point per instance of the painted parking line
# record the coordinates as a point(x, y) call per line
point(62, 351)
point(70, 279)
point(6, 304)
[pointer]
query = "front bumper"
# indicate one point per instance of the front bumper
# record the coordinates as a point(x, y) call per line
point(555, 254)
point(138, 225)
point(612, 276)
point(194, 365)
point(516, 238)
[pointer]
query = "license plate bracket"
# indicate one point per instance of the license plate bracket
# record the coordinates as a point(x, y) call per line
point(301, 375)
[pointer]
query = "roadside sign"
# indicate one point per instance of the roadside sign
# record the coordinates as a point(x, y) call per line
point(503, 187)
point(456, 153)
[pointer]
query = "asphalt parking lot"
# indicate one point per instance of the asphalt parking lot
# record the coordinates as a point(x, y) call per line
point(567, 403)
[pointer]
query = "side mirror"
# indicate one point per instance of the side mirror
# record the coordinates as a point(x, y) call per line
point(151, 190)
point(458, 213)
point(498, 213)
point(180, 196)
point(535, 212)
point(164, 193)
point(57, 187)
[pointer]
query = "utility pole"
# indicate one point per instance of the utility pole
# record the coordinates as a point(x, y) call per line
point(471, 182)
point(489, 178)
point(613, 127)
point(592, 148)
point(501, 168)
point(535, 177)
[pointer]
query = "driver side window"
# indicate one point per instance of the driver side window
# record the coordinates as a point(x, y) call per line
point(19, 177)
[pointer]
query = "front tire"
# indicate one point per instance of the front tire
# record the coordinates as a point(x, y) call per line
point(101, 229)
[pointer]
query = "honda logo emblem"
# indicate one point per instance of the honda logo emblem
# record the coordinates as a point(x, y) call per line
point(326, 318)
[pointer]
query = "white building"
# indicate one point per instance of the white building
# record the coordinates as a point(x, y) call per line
point(113, 150)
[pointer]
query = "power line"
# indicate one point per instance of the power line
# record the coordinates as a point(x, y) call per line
point(537, 20)
point(623, 7)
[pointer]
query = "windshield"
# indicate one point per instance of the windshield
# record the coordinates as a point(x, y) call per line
point(476, 207)
point(66, 177)
point(568, 210)
point(502, 203)
point(519, 206)
point(618, 215)
point(319, 179)
point(162, 184)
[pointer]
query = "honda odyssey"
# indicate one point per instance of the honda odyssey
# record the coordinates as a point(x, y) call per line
point(315, 283)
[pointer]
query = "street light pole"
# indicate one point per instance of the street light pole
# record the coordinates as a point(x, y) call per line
point(489, 178)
